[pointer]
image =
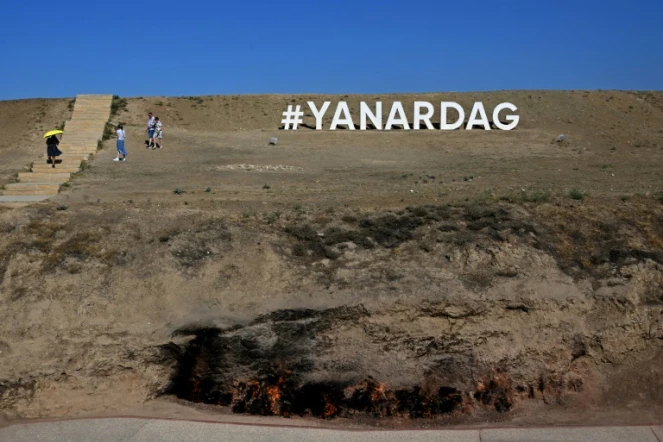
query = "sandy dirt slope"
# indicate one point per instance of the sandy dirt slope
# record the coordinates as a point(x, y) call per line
point(454, 260)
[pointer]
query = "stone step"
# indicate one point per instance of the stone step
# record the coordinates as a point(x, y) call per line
point(57, 169)
point(48, 168)
point(90, 147)
point(68, 161)
point(69, 153)
point(85, 127)
point(23, 199)
point(79, 149)
point(40, 177)
point(70, 156)
point(13, 189)
point(83, 132)
point(94, 96)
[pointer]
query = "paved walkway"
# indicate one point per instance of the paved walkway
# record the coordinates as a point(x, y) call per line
point(134, 430)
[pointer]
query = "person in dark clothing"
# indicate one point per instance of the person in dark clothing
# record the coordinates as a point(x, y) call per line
point(52, 150)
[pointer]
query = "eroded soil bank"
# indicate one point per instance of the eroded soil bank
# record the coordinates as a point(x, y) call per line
point(445, 313)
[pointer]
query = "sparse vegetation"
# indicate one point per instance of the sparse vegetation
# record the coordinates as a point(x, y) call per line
point(196, 101)
point(118, 105)
point(179, 191)
point(273, 217)
point(576, 194)
point(536, 197)
point(266, 187)
point(659, 197)
point(80, 247)
point(109, 131)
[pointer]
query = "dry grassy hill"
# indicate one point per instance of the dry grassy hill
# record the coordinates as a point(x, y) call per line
point(426, 277)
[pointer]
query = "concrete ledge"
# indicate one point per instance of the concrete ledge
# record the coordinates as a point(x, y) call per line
point(135, 429)
point(22, 199)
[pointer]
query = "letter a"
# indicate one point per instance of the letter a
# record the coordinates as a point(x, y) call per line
point(397, 108)
point(478, 109)
point(342, 108)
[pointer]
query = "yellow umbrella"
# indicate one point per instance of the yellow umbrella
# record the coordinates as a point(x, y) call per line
point(52, 132)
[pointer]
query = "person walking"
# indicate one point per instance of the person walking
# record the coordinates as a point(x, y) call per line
point(120, 144)
point(158, 133)
point(151, 122)
point(52, 149)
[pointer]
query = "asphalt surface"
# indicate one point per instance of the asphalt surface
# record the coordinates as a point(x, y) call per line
point(134, 430)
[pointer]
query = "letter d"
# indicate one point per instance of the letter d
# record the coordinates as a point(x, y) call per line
point(443, 116)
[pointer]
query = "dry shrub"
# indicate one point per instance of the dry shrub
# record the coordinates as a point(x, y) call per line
point(81, 247)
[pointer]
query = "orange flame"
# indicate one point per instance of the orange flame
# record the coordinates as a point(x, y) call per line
point(330, 410)
point(378, 393)
point(274, 394)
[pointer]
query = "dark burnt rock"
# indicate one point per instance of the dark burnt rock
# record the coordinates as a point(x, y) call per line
point(269, 367)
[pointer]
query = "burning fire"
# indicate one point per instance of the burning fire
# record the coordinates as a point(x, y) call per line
point(273, 393)
point(330, 410)
point(280, 396)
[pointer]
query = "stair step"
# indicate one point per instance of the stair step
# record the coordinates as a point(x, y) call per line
point(31, 189)
point(79, 149)
point(88, 150)
point(68, 161)
point(40, 177)
point(84, 156)
point(45, 167)
point(57, 169)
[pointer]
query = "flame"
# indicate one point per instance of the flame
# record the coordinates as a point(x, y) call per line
point(330, 410)
point(273, 394)
point(378, 393)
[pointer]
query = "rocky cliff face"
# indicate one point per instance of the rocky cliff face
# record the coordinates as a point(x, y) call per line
point(449, 311)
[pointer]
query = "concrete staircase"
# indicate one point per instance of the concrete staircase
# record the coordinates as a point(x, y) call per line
point(81, 135)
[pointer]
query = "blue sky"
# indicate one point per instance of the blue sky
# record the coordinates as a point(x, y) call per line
point(51, 49)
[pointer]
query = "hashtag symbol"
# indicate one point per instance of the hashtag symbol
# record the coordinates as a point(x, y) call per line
point(292, 118)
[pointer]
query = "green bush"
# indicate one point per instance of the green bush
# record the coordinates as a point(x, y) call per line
point(118, 105)
point(576, 194)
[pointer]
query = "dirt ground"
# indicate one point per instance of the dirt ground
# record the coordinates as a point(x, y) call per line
point(522, 273)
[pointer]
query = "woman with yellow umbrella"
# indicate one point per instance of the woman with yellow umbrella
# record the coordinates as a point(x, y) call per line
point(52, 143)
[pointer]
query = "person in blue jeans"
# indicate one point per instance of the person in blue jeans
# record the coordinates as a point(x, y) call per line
point(151, 122)
point(120, 144)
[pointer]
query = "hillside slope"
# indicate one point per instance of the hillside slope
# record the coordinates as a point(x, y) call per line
point(388, 278)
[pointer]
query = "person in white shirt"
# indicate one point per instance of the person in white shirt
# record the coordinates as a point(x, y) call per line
point(158, 133)
point(151, 122)
point(120, 144)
